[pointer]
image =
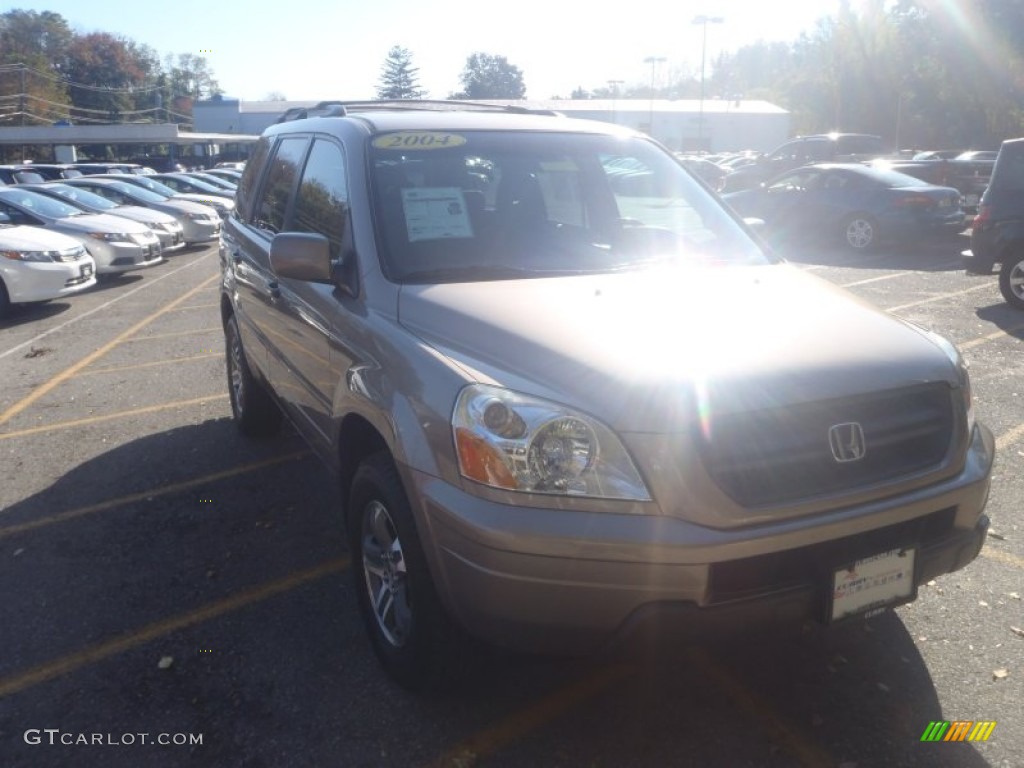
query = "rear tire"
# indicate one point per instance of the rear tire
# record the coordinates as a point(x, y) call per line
point(1011, 280)
point(860, 232)
point(254, 410)
point(410, 632)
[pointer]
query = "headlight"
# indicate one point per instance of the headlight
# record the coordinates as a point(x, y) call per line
point(520, 443)
point(31, 255)
point(962, 371)
point(199, 216)
point(112, 237)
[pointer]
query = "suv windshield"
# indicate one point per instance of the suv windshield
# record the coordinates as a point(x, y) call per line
point(487, 205)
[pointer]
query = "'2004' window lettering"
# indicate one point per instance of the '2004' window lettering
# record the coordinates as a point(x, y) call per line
point(415, 140)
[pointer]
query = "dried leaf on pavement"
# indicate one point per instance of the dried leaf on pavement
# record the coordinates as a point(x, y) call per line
point(1000, 674)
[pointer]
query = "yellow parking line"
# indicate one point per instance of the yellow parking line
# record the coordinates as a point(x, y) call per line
point(153, 364)
point(940, 297)
point(764, 712)
point(173, 334)
point(1003, 557)
point(109, 417)
point(152, 493)
point(95, 653)
point(990, 337)
point(68, 373)
point(197, 306)
point(518, 724)
point(1007, 439)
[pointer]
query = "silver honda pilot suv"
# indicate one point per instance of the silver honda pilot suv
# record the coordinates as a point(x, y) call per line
point(571, 399)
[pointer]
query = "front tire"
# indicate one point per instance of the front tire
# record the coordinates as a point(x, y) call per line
point(5, 300)
point(252, 407)
point(1011, 280)
point(860, 232)
point(410, 632)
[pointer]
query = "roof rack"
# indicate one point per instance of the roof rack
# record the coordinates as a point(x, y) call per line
point(342, 108)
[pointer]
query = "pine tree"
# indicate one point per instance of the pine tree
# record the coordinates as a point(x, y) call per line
point(399, 78)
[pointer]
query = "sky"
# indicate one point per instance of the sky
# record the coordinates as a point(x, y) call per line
point(335, 49)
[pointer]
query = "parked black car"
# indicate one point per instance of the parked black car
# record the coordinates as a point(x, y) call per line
point(19, 174)
point(804, 150)
point(50, 171)
point(853, 203)
point(997, 235)
point(968, 171)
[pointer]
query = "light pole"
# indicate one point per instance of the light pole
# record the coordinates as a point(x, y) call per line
point(653, 61)
point(703, 21)
point(615, 94)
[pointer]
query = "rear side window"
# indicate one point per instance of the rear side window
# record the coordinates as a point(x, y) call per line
point(250, 177)
point(1008, 173)
point(272, 207)
point(321, 204)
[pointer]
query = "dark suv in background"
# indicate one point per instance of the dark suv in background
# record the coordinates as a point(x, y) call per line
point(804, 150)
point(997, 234)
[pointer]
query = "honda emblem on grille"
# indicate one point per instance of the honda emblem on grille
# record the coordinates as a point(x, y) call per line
point(847, 442)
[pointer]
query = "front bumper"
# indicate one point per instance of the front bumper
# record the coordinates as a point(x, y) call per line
point(201, 230)
point(118, 257)
point(170, 241)
point(43, 281)
point(554, 580)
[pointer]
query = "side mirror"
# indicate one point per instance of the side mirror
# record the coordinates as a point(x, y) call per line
point(4, 218)
point(301, 256)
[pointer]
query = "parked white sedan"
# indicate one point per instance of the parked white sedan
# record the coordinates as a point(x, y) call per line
point(117, 244)
point(39, 265)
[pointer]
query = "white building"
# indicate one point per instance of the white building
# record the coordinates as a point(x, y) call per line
point(713, 125)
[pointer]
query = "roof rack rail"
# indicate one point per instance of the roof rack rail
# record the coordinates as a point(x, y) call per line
point(342, 108)
point(322, 109)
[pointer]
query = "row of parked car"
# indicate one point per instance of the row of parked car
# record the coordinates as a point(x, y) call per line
point(835, 185)
point(848, 186)
point(62, 227)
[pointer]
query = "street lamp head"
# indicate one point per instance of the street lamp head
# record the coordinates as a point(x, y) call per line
point(702, 19)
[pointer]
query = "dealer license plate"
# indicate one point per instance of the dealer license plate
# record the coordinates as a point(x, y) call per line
point(874, 582)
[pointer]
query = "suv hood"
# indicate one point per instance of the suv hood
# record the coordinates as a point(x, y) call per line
point(640, 350)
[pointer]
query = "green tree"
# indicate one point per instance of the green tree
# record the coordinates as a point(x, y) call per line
point(486, 76)
point(190, 75)
point(103, 73)
point(398, 80)
point(32, 63)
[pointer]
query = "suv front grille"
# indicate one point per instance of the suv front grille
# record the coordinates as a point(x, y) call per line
point(785, 455)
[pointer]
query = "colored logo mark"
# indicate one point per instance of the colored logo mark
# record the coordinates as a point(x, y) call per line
point(958, 730)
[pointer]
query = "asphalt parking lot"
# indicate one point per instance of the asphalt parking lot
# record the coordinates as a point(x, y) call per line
point(174, 595)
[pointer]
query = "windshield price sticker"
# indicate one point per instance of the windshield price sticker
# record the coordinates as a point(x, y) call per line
point(874, 582)
point(435, 213)
point(417, 140)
